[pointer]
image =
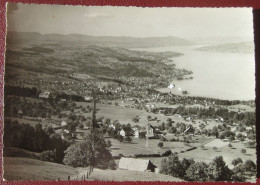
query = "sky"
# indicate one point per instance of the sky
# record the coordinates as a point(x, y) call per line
point(131, 21)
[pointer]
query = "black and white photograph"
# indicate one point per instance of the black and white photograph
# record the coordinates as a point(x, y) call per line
point(107, 93)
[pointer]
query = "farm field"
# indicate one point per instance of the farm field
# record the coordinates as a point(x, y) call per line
point(229, 153)
point(138, 146)
point(125, 115)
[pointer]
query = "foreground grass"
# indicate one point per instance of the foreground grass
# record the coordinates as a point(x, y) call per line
point(32, 169)
point(126, 175)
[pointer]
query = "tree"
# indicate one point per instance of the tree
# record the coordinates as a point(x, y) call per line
point(94, 151)
point(237, 161)
point(163, 126)
point(81, 126)
point(186, 163)
point(238, 173)
point(128, 139)
point(172, 166)
point(149, 117)
point(160, 144)
point(249, 165)
point(197, 172)
point(218, 170)
point(172, 130)
point(109, 143)
point(243, 151)
point(135, 119)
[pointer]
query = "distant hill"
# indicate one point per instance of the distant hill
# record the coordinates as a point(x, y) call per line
point(105, 41)
point(241, 47)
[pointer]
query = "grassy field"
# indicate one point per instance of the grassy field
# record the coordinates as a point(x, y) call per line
point(122, 175)
point(33, 169)
point(229, 153)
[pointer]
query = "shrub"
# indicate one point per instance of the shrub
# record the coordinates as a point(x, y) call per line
point(160, 144)
point(166, 153)
point(215, 148)
point(237, 161)
point(250, 165)
point(48, 156)
point(243, 151)
point(81, 126)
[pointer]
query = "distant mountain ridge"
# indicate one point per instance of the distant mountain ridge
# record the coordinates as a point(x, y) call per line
point(240, 47)
point(107, 41)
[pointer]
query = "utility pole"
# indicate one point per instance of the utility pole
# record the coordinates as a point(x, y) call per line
point(147, 131)
point(92, 132)
point(94, 111)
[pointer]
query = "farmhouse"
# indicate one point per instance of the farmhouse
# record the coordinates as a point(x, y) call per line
point(122, 132)
point(136, 164)
point(44, 94)
point(63, 123)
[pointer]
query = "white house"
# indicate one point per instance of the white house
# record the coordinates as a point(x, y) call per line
point(112, 126)
point(122, 133)
point(63, 123)
point(44, 94)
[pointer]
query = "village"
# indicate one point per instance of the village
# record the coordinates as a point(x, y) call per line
point(146, 130)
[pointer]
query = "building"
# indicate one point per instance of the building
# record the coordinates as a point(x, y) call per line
point(63, 123)
point(44, 94)
point(122, 132)
point(112, 126)
point(136, 164)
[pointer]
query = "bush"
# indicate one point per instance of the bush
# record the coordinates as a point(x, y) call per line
point(243, 151)
point(112, 165)
point(48, 156)
point(237, 161)
point(215, 148)
point(160, 144)
point(250, 165)
point(81, 126)
point(166, 153)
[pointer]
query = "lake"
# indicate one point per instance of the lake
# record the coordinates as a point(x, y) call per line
point(220, 75)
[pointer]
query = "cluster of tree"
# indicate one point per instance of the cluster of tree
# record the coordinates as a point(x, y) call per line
point(32, 109)
point(248, 118)
point(217, 170)
point(71, 97)
point(21, 91)
point(35, 139)
point(93, 151)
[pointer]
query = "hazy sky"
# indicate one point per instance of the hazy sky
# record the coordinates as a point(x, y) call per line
point(132, 21)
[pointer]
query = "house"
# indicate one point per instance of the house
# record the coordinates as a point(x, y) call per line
point(136, 164)
point(136, 132)
point(66, 136)
point(88, 98)
point(63, 123)
point(122, 132)
point(44, 94)
point(20, 113)
point(112, 126)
